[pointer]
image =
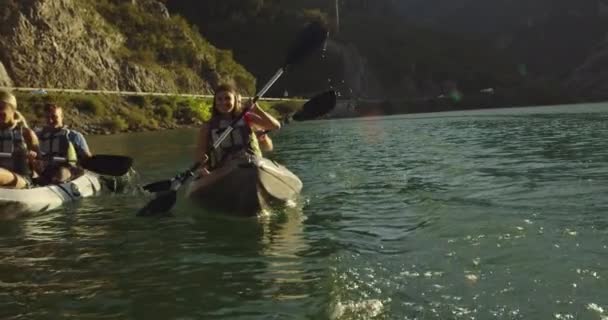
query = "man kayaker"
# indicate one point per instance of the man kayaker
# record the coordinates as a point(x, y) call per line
point(18, 145)
point(57, 141)
point(227, 107)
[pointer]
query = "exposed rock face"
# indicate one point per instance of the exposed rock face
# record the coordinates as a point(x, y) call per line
point(5, 80)
point(591, 78)
point(67, 44)
point(358, 75)
point(153, 6)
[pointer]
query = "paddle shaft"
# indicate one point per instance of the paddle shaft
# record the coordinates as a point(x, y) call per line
point(57, 159)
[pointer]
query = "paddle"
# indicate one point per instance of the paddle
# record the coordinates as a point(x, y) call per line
point(104, 164)
point(107, 164)
point(307, 41)
point(314, 108)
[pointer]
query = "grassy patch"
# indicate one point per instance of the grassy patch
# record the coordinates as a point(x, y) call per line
point(115, 124)
point(93, 105)
point(192, 110)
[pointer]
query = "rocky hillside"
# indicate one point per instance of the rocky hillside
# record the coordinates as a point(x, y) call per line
point(561, 40)
point(5, 79)
point(108, 45)
point(591, 78)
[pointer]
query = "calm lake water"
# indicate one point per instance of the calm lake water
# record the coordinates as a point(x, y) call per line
point(497, 214)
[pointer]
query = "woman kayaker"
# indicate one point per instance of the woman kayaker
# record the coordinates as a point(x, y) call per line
point(227, 106)
point(18, 145)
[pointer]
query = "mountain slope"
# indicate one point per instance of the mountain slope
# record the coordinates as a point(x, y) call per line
point(111, 45)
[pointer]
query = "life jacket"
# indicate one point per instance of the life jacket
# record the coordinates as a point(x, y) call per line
point(240, 139)
point(56, 143)
point(11, 140)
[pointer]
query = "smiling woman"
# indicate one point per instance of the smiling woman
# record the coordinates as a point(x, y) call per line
point(227, 106)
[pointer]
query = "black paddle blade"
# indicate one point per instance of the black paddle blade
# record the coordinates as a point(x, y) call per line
point(106, 164)
point(316, 107)
point(163, 202)
point(158, 186)
point(308, 40)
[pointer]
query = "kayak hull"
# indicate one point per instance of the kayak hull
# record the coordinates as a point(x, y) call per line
point(40, 199)
point(245, 187)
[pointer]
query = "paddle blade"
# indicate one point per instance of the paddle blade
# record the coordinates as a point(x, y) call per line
point(106, 164)
point(308, 40)
point(158, 186)
point(316, 107)
point(163, 202)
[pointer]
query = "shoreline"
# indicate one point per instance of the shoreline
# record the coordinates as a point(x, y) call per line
point(95, 113)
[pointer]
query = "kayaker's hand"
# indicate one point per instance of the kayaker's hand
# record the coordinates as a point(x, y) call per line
point(204, 159)
point(203, 168)
point(39, 165)
point(203, 172)
point(249, 104)
point(31, 155)
point(256, 107)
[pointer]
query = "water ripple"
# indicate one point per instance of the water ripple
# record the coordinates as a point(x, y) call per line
point(473, 215)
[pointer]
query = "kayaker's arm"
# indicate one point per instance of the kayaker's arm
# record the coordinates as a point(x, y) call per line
point(31, 140)
point(80, 144)
point(202, 144)
point(33, 146)
point(263, 120)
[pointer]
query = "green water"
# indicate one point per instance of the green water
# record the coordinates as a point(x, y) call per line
point(499, 214)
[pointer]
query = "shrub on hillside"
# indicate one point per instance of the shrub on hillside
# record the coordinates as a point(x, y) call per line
point(89, 104)
point(116, 124)
point(165, 112)
point(193, 109)
point(140, 101)
point(138, 118)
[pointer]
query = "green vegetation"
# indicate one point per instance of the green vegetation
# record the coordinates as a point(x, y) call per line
point(171, 43)
point(88, 104)
point(116, 124)
point(193, 110)
point(102, 114)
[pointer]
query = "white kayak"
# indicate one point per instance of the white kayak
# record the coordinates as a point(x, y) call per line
point(40, 199)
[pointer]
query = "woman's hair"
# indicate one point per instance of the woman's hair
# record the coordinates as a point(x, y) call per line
point(8, 98)
point(231, 89)
point(11, 100)
point(20, 119)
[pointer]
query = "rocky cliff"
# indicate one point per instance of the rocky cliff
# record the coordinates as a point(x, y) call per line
point(5, 80)
point(70, 44)
point(591, 78)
